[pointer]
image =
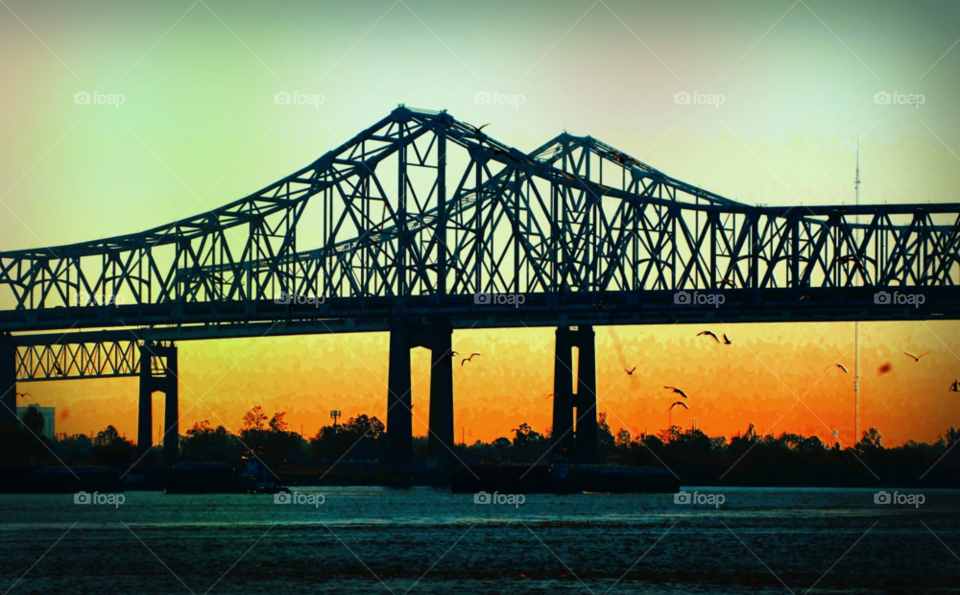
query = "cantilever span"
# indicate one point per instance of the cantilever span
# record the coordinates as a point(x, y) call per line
point(411, 225)
point(425, 209)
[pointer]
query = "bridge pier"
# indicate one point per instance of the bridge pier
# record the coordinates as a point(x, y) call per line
point(159, 376)
point(437, 337)
point(579, 444)
point(8, 380)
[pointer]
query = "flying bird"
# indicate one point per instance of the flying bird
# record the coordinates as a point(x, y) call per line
point(848, 260)
point(668, 317)
point(477, 129)
point(679, 403)
point(452, 353)
point(842, 367)
point(709, 334)
point(955, 388)
point(469, 359)
point(885, 368)
point(916, 358)
point(630, 371)
point(599, 305)
point(727, 281)
point(803, 297)
point(726, 341)
point(677, 390)
point(24, 395)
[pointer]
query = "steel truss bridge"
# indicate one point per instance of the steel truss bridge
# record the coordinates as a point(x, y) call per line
point(418, 224)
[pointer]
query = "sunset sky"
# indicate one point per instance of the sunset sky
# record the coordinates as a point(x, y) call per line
point(198, 127)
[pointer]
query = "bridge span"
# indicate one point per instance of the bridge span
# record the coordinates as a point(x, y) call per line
point(422, 224)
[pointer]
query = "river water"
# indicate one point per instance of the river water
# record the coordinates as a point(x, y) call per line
point(423, 540)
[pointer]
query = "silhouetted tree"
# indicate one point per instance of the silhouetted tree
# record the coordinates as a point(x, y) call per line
point(109, 448)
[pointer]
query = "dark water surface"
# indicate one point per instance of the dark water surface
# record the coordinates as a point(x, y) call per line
point(421, 540)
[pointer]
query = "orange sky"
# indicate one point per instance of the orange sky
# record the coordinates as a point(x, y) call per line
point(754, 380)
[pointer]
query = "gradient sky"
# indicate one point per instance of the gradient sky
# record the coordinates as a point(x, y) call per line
point(199, 128)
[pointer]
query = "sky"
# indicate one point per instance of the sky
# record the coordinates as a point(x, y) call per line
point(787, 87)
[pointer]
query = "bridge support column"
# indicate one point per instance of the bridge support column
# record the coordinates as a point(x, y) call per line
point(171, 415)
point(158, 373)
point(399, 413)
point(441, 439)
point(8, 380)
point(580, 445)
point(436, 336)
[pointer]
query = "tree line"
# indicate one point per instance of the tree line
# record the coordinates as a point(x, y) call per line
point(747, 459)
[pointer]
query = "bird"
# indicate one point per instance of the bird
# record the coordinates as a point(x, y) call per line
point(554, 395)
point(847, 260)
point(709, 334)
point(916, 358)
point(883, 369)
point(679, 403)
point(842, 367)
point(677, 390)
point(469, 359)
point(451, 354)
point(477, 129)
point(726, 341)
point(24, 395)
point(599, 305)
point(955, 388)
point(668, 317)
point(630, 371)
point(727, 281)
point(804, 297)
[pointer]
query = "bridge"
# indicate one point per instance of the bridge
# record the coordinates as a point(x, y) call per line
point(422, 224)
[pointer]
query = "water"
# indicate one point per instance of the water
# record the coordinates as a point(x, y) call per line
point(378, 540)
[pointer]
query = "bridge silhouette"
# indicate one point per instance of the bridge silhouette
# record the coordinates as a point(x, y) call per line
point(423, 224)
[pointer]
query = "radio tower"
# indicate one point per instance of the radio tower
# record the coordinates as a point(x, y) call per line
point(856, 324)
